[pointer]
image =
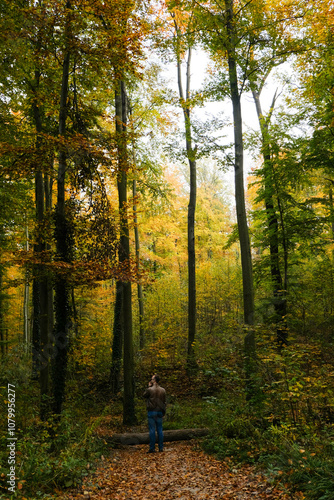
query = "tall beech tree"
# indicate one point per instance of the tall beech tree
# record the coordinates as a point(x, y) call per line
point(183, 43)
point(124, 286)
point(128, 50)
point(223, 33)
point(42, 287)
point(279, 288)
point(245, 247)
point(246, 259)
point(272, 40)
point(233, 31)
point(140, 293)
point(63, 228)
point(224, 36)
point(146, 114)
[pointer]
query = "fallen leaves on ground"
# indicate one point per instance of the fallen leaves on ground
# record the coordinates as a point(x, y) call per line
point(180, 472)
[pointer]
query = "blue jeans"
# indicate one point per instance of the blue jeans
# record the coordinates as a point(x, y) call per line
point(155, 422)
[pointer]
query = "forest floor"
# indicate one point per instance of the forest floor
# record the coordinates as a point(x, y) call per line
point(183, 471)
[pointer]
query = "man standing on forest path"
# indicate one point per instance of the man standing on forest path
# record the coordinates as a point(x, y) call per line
point(156, 409)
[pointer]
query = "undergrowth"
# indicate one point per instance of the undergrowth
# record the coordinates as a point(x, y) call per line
point(301, 458)
point(49, 455)
point(286, 429)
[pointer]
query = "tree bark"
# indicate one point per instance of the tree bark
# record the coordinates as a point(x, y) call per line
point(191, 154)
point(170, 435)
point(245, 248)
point(41, 331)
point(279, 295)
point(26, 335)
point(48, 182)
point(129, 416)
point(38, 247)
point(63, 241)
point(117, 344)
point(41, 302)
point(139, 286)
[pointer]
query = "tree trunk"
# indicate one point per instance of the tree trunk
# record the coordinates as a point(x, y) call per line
point(191, 154)
point(139, 286)
point(48, 181)
point(41, 308)
point(245, 248)
point(276, 277)
point(137, 247)
point(170, 435)
point(36, 340)
point(63, 243)
point(129, 416)
point(26, 339)
point(192, 312)
point(75, 314)
point(40, 286)
point(117, 345)
point(269, 204)
point(41, 296)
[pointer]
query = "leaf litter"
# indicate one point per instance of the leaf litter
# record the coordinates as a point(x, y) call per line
point(181, 472)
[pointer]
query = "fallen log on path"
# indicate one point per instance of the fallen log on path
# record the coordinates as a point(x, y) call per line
point(169, 435)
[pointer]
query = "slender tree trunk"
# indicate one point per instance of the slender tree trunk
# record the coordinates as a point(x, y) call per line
point(42, 284)
point(41, 325)
point(36, 336)
point(75, 314)
point(269, 203)
point(284, 243)
point(192, 310)
point(117, 344)
point(191, 154)
point(48, 182)
point(129, 416)
point(139, 286)
point(40, 293)
point(45, 344)
point(36, 288)
point(276, 277)
point(26, 339)
point(245, 248)
point(40, 306)
point(63, 243)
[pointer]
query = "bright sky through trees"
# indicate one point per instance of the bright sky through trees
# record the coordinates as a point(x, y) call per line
point(199, 75)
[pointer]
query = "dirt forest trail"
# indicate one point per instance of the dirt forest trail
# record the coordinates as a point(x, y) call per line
point(182, 471)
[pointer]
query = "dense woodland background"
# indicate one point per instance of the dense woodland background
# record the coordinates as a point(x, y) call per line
point(122, 254)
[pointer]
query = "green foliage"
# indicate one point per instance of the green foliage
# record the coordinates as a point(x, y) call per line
point(53, 454)
point(303, 459)
point(56, 456)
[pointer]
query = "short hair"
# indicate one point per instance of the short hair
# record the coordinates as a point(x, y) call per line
point(156, 378)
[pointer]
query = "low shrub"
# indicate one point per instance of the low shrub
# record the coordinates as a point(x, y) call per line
point(53, 456)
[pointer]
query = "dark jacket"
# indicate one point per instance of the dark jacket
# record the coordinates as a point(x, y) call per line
point(155, 398)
